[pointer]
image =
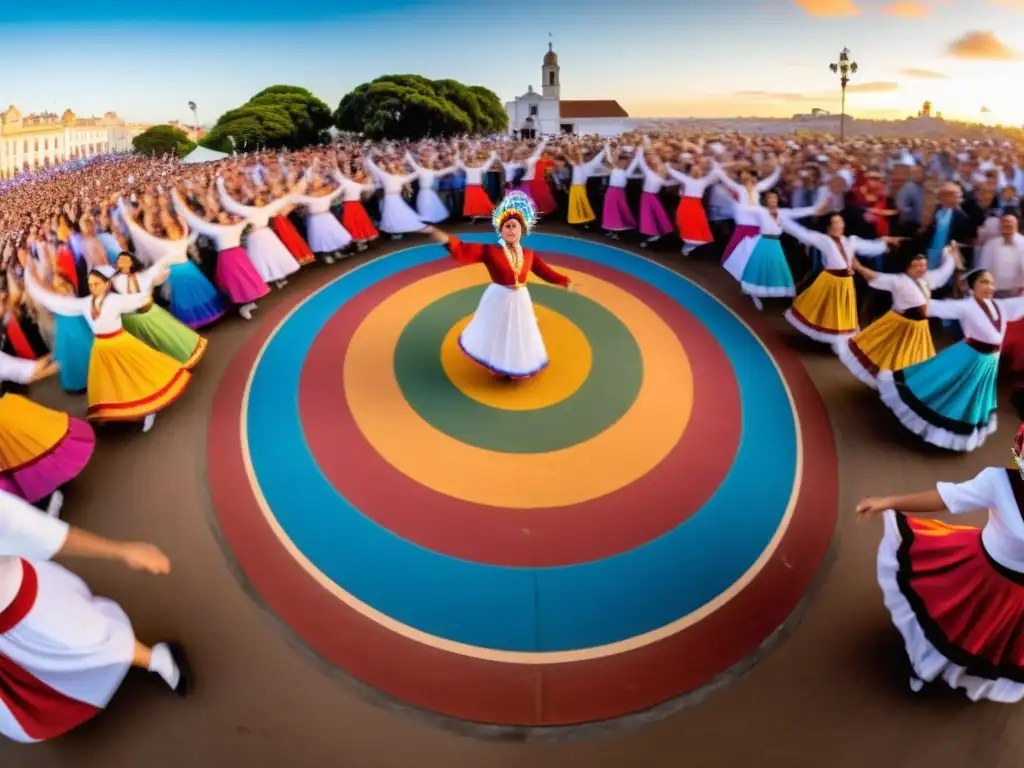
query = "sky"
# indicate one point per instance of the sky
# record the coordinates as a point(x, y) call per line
point(701, 58)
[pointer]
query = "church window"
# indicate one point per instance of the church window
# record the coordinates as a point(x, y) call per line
point(24, 145)
point(551, 78)
point(35, 145)
point(46, 143)
point(55, 144)
point(533, 110)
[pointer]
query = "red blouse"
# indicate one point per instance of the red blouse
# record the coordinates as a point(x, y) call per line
point(493, 257)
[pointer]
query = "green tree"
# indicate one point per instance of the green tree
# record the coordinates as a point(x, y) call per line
point(251, 127)
point(278, 116)
point(411, 107)
point(161, 140)
point(311, 116)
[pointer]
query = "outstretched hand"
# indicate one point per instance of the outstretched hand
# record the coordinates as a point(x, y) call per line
point(870, 507)
point(145, 557)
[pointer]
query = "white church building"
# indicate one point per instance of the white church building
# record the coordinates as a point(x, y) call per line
point(547, 114)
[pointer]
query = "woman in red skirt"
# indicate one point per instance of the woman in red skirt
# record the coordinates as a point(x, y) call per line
point(476, 203)
point(354, 217)
point(956, 593)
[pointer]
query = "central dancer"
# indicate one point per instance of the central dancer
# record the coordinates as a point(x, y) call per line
point(503, 335)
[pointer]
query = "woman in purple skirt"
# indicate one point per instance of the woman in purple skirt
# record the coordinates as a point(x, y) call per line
point(616, 215)
point(654, 221)
point(235, 276)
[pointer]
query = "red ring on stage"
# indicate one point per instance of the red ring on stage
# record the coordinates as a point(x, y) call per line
point(664, 498)
point(528, 695)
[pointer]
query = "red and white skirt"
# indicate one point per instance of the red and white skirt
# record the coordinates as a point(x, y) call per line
point(355, 219)
point(960, 612)
point(63, 654)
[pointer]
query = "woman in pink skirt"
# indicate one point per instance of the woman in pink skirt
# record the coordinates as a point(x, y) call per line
point(235, 276)
point(956, 592)
point(616, 215)
point(40, 449)
point(748, 193)
point(654, 221)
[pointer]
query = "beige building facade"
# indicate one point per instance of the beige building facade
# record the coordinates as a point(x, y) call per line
point(34, 141)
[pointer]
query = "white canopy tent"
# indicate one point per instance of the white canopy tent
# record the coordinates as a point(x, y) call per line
point(203, 155)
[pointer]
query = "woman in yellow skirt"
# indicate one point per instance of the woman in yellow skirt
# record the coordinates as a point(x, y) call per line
point(901, 337)
point(40, 449)
point(827, 310)
point(581, 213)
point(128, 380)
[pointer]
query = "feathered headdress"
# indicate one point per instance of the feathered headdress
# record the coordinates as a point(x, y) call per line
point(518, 205)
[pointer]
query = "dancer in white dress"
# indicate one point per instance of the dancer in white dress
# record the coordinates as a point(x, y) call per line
point(429, 207)
point(64, 652)
point(396, 217)
point(503, 335)
point(269, 255)
point(955, 592)
point(324, 232)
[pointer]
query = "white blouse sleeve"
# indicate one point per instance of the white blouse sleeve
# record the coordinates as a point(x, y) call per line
point(945, 309)
point(1013, 309)
point(765, 184)
point(972, 495)
point(803, 234)
point(936, 278)
point(194, 222)
point(868, 247)
point(27, 532)
point(16, 370)
point(230, 204)
point(885, 281)
point(69, 306)
point(798, 213)
point(126, 303)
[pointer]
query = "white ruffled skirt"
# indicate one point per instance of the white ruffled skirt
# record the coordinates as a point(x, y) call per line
point(429, 207)
point(76, 648)
point(503, 335)
point(397, 218)
point(325, 234)
point(269, 256)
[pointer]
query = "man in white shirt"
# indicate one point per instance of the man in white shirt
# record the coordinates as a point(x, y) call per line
point(1003, 256)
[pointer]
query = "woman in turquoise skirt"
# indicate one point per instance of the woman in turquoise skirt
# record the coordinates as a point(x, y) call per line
point(72, 343)
point(950, 399)
point(153, 324)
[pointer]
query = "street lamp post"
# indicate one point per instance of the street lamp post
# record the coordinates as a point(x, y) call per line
point(195, 114)
point(844, 68)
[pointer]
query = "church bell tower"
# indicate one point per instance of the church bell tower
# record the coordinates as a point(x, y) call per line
point(551, 86)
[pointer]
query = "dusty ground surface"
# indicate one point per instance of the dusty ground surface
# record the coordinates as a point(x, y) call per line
point(832, 694)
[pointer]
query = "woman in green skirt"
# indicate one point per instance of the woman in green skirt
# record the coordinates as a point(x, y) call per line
point(153, 324)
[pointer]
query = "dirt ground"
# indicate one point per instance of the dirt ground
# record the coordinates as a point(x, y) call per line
point(832, 694)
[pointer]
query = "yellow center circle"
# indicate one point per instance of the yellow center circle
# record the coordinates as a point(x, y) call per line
point(624, 452)
point(569, 353)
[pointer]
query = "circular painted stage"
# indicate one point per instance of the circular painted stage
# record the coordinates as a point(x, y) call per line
point(608, 536)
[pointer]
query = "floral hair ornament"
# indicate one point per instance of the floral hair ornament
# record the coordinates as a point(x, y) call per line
point(1018, 450)
point(515, 205)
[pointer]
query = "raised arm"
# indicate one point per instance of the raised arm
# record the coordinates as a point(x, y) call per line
point(941, 275)
point(768, 183)
point(195, 223)
point(729, 183)
point(945, 309)
point(229, 203)
point(547, 273)
point(69, 306)
point(868, 248)
point(140, 234)
point(804, 235)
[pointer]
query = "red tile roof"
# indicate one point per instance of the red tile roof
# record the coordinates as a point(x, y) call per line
point(584, 109)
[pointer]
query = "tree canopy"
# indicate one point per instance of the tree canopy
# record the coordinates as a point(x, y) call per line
point(163, 139)
point(279, 116)
point(412, 107)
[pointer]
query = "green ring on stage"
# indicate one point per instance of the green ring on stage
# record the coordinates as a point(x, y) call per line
point(616, 375)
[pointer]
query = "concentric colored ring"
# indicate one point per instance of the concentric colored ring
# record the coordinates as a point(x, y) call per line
point(523, 537)
point(565, 343)
point(505, 474)
point(611, 389)
point(581, 682)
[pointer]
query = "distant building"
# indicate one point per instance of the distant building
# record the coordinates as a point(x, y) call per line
point(35, 141)
point(546, 113)
point(194, 133)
